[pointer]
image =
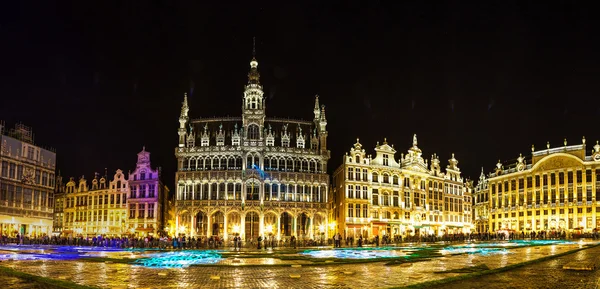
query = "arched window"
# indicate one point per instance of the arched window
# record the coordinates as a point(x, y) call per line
point(253, 132)
point(357, 159)
point(375, 177)
point(386, 178)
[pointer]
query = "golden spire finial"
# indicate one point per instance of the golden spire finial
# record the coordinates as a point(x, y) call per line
point(583, 140)
point(532, 148)
point(548, 145)
point(565, 142)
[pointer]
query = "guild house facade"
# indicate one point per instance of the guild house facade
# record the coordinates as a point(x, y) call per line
point(26, 184)
point(252, 175)
point(405, 197)
point(554, 189)
point(119, 206)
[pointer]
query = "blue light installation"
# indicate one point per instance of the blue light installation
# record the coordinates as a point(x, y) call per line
point(180, 259)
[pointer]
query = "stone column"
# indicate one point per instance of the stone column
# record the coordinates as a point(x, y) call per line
point(593, 216)
point(243, 226)
point(193, 226)
point(193, 191)
point(294, 226)
point(209, 225)
point(261, 224)
point(225, 226)
point(279, 227)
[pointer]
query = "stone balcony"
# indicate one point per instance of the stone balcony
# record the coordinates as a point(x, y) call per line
point(250, 204)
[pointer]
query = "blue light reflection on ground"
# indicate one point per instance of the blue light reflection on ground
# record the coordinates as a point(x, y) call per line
point(474, 250)
point(354, 253)
point(180, 259)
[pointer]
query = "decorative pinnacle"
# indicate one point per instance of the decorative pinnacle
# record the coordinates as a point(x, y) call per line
point(548, 145)
point(583, 140)
point(565, 142)
point(385, 140)
point(415, 140)
point(532, 148)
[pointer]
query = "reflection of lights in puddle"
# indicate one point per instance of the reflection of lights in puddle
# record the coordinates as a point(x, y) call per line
point(353, 254)
point(479, 251)
point(179, 259)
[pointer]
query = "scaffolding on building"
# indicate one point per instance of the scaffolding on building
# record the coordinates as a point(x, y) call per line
point(22, 133)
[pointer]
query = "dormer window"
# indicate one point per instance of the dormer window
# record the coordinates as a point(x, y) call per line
point(386, 160)
point(270, 141)
point(357, 159)
point(142, 176)
point(285, 142)
point(300, 143)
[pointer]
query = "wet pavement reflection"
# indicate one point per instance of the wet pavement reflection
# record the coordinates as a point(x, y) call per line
point(303, 269)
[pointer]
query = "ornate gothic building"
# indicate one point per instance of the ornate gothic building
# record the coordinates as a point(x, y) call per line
point(252, 175)
point(408, 196)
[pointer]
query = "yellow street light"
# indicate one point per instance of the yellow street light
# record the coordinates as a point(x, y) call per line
point(269, 228)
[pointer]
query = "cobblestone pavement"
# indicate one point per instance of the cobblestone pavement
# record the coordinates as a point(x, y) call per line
point(547, 274)
point(365, 275)
point(9, 282)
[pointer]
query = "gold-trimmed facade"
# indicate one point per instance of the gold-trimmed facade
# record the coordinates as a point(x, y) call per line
point(553, 190)
point(408, 197)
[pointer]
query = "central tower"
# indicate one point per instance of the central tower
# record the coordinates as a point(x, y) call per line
point(253, 108)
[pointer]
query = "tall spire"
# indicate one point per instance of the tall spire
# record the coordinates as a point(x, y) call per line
point(316, 110)
point(184, 106)
point(253, 75)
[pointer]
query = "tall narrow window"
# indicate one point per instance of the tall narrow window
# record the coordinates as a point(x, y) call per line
point(253, 131)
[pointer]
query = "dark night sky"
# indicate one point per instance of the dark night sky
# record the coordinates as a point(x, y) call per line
point(484, 81)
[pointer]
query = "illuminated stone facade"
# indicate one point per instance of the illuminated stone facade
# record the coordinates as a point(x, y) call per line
point(555, 189)
point(382, 196)
point(26, 184)
point(481, 208)
point(117, 207)
point(252, 175)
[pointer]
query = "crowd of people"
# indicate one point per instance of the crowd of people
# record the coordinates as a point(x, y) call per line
point(337, 241)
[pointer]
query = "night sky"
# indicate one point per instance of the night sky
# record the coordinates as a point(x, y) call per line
point(485, 81)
